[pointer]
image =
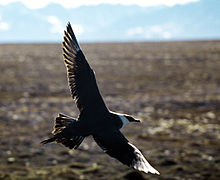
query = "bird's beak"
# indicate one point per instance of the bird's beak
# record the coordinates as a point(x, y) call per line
point(137, 120)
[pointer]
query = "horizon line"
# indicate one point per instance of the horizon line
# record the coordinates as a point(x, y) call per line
point(113, 42)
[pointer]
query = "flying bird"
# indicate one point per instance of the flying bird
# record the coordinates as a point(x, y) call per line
point(94, 118)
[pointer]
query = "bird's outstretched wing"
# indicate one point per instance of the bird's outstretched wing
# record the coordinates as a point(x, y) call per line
point(116, 145)
point(81, 77)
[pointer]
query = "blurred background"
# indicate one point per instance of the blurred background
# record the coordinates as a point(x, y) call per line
point(157, 60)
point(95, 20)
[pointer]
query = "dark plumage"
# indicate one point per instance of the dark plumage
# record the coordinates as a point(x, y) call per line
point(94, 119)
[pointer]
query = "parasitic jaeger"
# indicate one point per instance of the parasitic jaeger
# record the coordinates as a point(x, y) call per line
point(95, 118)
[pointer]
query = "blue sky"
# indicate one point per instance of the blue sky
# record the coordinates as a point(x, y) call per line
point(35, 4)
point(109, 20)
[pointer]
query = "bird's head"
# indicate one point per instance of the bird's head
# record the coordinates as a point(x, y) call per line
point(131, 119)
point(127, 119)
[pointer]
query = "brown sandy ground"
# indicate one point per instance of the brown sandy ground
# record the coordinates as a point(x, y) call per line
point(174, 87)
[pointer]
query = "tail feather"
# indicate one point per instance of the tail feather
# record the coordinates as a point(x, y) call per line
point(48, 140)
point(62, 127)
point(62, 122)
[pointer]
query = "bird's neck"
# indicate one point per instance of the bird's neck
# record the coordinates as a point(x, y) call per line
point(124, 120)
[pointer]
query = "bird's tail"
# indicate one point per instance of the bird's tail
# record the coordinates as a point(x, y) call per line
point(62, 132)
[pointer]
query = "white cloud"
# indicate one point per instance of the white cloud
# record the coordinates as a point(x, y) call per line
point(3, 25)
point(135, 31)
point(167, 35)
point(165, 31)
point(58, 27)
point(33, 4)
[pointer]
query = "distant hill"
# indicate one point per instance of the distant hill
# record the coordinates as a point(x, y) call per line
point(200, 20)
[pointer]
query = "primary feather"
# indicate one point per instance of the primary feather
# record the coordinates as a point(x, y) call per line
point(81, 77)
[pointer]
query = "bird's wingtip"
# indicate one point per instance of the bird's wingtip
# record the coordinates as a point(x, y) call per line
point(155, 172)
point(69, 31)
point(68, 26)
point(68, 23)
point(152, 171)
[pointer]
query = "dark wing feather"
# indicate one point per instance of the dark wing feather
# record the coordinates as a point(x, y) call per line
point(116, 145)
point(81, 77)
